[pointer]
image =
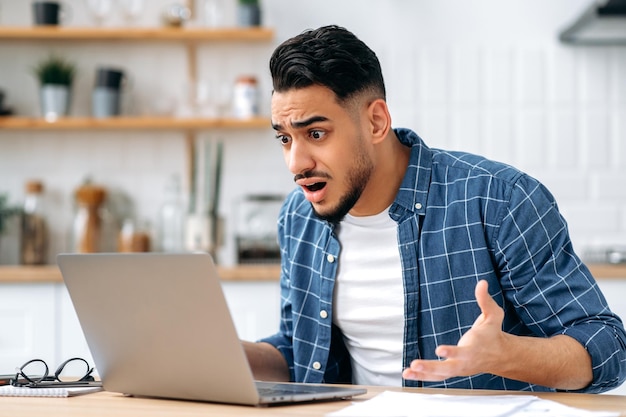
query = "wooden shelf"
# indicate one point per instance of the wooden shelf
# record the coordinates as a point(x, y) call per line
point(50, 273)
point(137, 33)
point(129, 123)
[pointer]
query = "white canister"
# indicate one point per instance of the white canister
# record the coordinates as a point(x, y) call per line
point(245, 97)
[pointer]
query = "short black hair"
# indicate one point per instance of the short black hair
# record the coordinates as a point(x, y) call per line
point(330, 56)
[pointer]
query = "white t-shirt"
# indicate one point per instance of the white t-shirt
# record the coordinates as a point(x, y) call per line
point(368, 301)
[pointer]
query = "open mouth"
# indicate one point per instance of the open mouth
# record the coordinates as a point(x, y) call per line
point(315, 186)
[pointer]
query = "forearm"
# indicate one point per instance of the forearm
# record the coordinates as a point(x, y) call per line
point(558, 362)
point(267, 363)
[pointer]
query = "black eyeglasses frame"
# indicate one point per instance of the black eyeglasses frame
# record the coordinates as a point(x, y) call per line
point(22, 379)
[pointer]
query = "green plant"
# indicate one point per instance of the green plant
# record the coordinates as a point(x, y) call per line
point(55, 70)
point(250, 2)
point(6, 211)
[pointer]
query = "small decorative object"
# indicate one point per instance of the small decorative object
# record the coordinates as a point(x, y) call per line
point(6, 211)
point(249, 13)
point(100, 10)
point(90, 221)
point(4, 111)
point(132, 10)
point(245, 97)
point(34, 236)
point(107, 92)
point(46, 13)
point(55, 76)
point(177, 14)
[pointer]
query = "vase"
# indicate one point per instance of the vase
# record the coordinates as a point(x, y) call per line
point(55, 101)
point(249, 15)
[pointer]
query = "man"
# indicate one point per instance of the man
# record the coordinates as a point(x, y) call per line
point(403, 264)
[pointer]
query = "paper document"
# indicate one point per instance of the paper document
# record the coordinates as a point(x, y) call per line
point(407, 404)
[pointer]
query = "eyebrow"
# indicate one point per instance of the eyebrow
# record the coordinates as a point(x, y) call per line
point(302, 123)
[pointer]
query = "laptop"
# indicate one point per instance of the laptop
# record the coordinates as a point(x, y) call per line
point(157, 325)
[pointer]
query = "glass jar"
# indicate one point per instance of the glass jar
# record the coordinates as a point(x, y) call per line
point(34, 230)
point(172, 216)
point(245, 98)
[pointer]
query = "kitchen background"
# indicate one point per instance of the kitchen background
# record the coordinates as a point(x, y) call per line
point(485, 76)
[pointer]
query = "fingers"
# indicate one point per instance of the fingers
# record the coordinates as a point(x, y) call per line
point(471, 355)
point(436, 370)
point(481, 292)
point(486, 303)
point(431, 370)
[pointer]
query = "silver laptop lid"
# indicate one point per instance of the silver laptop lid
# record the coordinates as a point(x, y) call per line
point(158, 325)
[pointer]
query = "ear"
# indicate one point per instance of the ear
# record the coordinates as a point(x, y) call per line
point(379, 119)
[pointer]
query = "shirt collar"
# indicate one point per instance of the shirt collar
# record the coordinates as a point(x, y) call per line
point(413, 192)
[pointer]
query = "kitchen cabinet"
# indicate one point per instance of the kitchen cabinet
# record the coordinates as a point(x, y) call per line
point(38, 320)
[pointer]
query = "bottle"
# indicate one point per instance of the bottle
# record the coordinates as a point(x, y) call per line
point(172, 218)
point(133, 238)
point(245, 98)
point(89, 222)
point(34, 230)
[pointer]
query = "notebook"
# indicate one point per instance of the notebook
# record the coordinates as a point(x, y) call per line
point(157, 325)
point(61, 392)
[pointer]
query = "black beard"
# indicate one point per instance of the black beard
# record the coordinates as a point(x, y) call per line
point(360, 177)
point(345, 205)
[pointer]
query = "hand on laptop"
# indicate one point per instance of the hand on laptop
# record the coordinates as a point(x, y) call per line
point(266, 362)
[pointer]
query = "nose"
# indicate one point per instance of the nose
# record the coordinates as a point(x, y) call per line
point(298, 157)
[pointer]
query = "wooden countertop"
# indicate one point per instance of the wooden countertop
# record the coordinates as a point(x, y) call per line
point(51, 273)
point(110, 403)
point(269, 272)
point(604, 271)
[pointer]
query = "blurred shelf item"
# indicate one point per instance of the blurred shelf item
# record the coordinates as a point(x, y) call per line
point(135, 33)
point(131, 123)
point(50, 273)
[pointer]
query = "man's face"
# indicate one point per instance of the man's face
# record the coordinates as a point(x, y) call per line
point(324, 148)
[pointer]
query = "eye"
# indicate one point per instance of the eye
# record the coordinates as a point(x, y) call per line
point(283, 139)
point(317, 134)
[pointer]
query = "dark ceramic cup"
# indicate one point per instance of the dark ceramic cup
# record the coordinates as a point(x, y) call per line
point(46, 12)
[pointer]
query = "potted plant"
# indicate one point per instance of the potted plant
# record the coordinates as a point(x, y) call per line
point(249, 13)
point(55, 76)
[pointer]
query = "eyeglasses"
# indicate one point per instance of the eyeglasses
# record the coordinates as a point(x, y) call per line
point(35, 372)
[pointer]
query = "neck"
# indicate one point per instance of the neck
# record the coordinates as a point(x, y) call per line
point(391, 159)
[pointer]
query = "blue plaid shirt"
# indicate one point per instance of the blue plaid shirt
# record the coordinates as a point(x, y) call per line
point(461, 218)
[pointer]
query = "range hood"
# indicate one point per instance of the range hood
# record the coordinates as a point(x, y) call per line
point(603, 23)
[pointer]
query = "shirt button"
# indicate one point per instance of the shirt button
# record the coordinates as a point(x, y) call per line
point(317, 365)
point(330, 258)
point(418, 206)
point(323, 314)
